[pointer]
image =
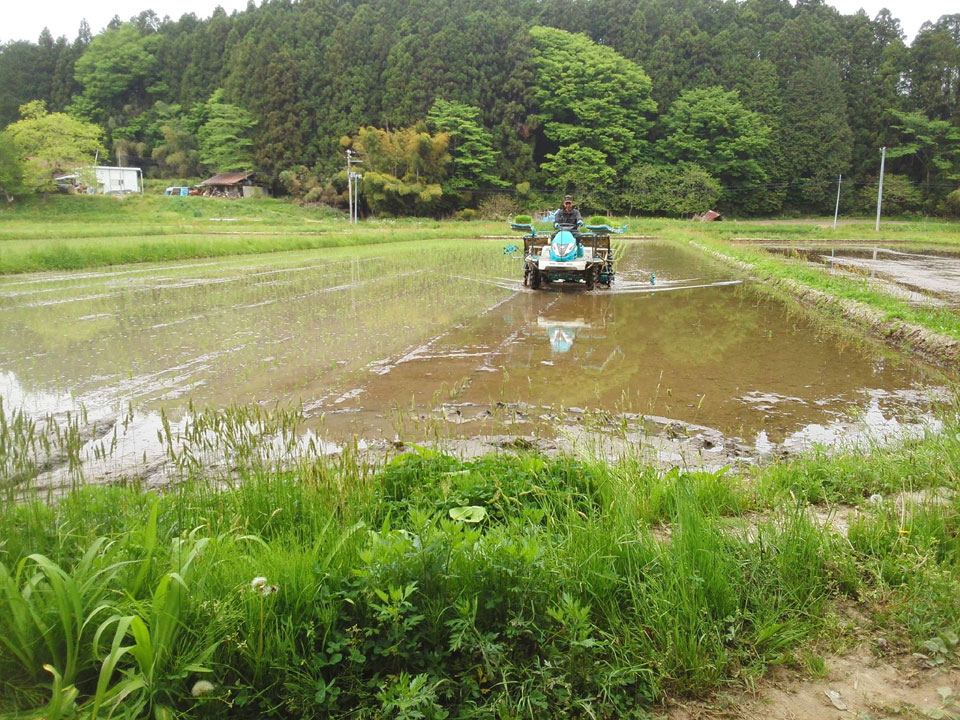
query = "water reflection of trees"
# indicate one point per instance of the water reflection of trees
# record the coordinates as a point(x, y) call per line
point(694, 327)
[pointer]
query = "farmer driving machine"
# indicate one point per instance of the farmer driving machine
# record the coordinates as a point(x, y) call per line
point(568, 255)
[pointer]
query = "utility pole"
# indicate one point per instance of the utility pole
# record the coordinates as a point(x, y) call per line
point(355, 178)
point(883, 158)
point(836, 212)
point(349, 185)
point(353, 187)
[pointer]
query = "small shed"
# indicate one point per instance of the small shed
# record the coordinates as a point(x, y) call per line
point(118, 180)
point(709, 216)
point(232, 184)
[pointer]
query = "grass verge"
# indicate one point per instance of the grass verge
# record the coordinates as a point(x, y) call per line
point(941, 320)
point(78, 232)
point(72, 233)
point(431, 587)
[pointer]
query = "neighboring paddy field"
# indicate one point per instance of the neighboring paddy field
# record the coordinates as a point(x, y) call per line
point(301, 470)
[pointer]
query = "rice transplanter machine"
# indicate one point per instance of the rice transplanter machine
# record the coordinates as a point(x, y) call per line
point(568, 255)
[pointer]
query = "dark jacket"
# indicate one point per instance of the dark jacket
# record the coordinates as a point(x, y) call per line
point(568, 218)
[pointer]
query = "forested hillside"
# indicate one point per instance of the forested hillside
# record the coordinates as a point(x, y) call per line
point(658, 107)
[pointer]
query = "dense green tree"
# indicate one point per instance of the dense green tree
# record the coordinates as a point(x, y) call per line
point(871, 82)
point(353, 61)
point(711, 128)
point(583, 171)
point(177, 155)
point(280, 136)
point(928, 149)
point(815, 137)
point(118, 68)
point(934, 69)
point(17, 79)
point(900, 195)
point(673, 190)
point(224, 137)
point(11, 168)
point(470, 146)
point(51, 143)
point(406, 153)
point(64, 84)
point(589, 96)
point(403, 170)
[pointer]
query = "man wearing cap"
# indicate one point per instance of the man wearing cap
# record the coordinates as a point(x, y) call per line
point(568, 214)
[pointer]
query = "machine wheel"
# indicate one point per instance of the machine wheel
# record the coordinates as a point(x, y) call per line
point(592, 276)
point(535, 278)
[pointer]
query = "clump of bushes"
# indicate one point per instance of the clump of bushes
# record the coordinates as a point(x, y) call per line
point(498, 207)
point(952, 204)
point(900, 196)
point(673, 190)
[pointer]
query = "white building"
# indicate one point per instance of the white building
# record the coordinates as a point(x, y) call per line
point(118, 180)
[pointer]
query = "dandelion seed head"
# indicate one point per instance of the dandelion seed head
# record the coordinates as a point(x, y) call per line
point(201, 688)
point(259, 584)
point(876, 499)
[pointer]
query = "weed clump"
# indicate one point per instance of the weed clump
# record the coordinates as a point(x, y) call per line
point(436, 587)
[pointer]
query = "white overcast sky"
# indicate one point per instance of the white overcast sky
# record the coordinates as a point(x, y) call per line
point(24, 19)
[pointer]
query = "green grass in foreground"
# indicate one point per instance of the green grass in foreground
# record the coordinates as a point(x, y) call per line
point(434, 588)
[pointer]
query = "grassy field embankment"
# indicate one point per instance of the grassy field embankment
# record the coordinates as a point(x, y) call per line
point(930, 330)
point(500, 587)
point(80, 232)
point(820, 232)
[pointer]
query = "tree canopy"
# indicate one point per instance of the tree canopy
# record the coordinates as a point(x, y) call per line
point(545, 94)
point(117, 68)
point(712, 128)
point(11, 168)
point(224, 136)
point(52, 142)
point(590, 97)
point(470, 145)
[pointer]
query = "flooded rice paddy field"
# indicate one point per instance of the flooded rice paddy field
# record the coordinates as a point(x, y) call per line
point(438, 338)
point(927, 276)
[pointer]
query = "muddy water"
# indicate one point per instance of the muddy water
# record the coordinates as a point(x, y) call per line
point(437, 334)
point(695, 346)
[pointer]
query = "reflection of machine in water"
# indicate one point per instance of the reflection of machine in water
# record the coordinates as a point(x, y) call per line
point(583, 318)
point(561, 332)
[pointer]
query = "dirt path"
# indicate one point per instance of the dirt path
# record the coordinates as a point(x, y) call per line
point(857, 685)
